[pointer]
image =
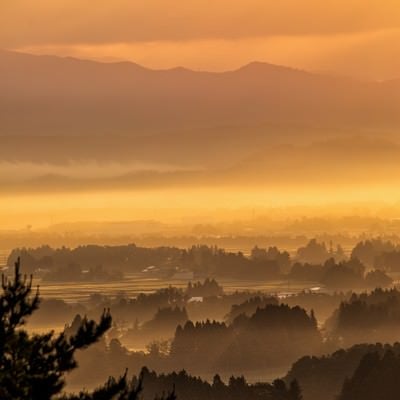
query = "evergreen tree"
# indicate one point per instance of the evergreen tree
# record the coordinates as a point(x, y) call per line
point(33, 366)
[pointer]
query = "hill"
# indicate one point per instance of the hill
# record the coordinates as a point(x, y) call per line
point(49, 95)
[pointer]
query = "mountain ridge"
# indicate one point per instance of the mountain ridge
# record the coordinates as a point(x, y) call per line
point(184, 110)
point(250, 65)
point(348, 162)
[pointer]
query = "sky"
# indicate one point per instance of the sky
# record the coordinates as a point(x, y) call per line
point(360, 38)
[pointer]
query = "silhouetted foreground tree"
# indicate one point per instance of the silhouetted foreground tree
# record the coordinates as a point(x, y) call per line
point(33, 366)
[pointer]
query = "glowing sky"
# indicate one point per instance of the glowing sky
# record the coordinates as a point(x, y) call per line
point(353, 37)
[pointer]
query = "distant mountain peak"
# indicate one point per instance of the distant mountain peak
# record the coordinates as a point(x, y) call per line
point(260, 67)
point(67, 96)
point(254, 66)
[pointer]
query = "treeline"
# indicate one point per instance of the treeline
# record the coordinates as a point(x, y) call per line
point(314, 262)
point(203, 261)
point(153, 316)
point(371, 252)
point(259, 335)
point(362, 372)
point(367, 317)
point(350, 317)
point(269, 340)
point(377, 253)
point(274, 335)
point(363, 318)
point(350, 274)
point(187, 387)
point(127, 258)
point(376, 377)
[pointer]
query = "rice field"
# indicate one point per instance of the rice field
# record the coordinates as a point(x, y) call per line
point(133, 284)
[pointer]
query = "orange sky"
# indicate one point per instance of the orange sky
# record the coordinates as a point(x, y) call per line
point(352, 37)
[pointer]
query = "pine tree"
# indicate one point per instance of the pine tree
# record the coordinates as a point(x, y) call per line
point(33, 366)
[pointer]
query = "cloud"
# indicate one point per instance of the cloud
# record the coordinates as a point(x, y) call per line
point(22, 171)
point(24, 22)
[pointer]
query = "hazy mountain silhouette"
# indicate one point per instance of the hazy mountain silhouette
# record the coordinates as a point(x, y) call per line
point(48, 95)
point(334, 160)
point(339, 161)
point(181, 127)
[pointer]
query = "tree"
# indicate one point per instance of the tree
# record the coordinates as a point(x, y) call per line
point(376, 377)
point(33, 366)
point(282, 392)
point(295, 391)
point(378, 278)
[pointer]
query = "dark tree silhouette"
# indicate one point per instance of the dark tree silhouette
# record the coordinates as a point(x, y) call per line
point(376, 377)
point(33, 366)
point(295, 391)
